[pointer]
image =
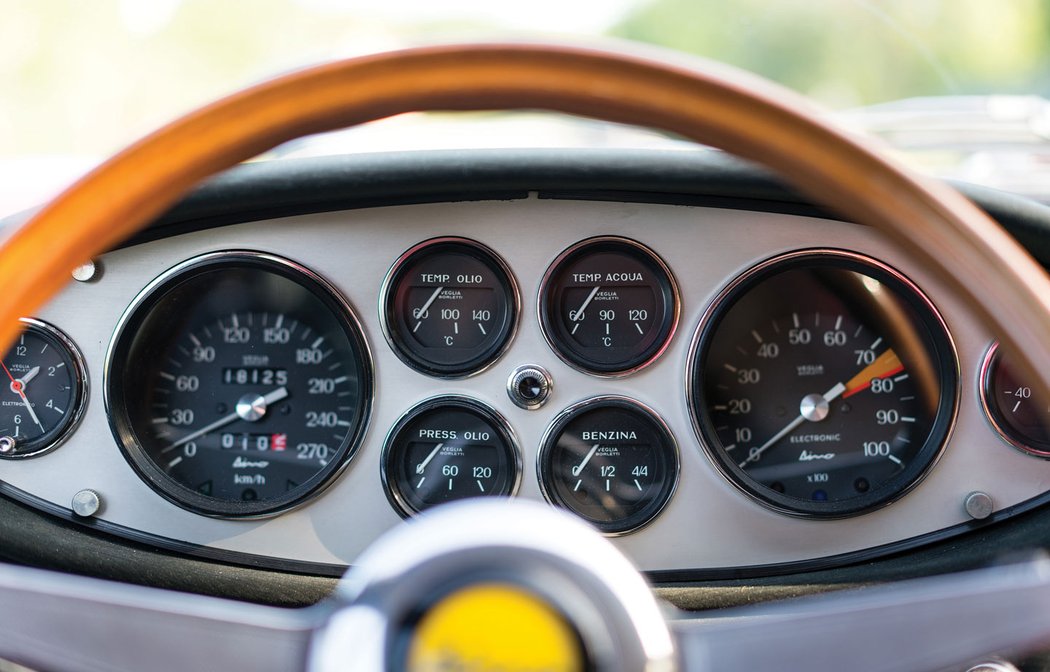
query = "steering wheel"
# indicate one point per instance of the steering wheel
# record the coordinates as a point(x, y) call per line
point(708, 103)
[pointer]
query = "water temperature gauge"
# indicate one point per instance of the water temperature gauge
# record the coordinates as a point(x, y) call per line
point(449, 448)
point(608, 306)
point(611, 461)
point(450, 307)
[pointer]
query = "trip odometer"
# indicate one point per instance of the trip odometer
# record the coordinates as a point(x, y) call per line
point(823, 383)
point(238, 384)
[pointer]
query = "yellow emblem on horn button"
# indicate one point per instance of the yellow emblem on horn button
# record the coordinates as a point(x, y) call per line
point(489, 627)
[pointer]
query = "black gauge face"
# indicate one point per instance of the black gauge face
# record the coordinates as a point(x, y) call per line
point(450, 307)
point(43, 385)
point(239, 385)
point(824, 384)
point(610, 461)
point(448, 449)
point(608, 306)
point(1013, 406)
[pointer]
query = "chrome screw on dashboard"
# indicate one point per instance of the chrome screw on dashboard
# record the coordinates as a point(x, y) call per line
point(7, 444)
point(529, 387)
point(978, 505)
point(86, 272)
point(86, 503)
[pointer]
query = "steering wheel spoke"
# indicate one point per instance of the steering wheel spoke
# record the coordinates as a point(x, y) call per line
point(55, 622)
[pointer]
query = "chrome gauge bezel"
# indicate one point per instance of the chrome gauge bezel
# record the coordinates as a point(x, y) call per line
point(946, 355)
point(79, 378)
point(992, 412)
point(669, 326)
point(388, 320)
point(390, 486)
point(121, 424)
point(544, 467)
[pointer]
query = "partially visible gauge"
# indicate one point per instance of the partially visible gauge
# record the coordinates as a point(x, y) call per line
point(44, 387)
point(450, 307)
point(823, 383)
point(608, 306)
point(611, 461)
point(446, 449)
point(1014, 408)
point(238, 384)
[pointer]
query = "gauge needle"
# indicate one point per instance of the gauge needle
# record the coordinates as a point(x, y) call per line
point(829, 396)
point(30, 375)
point(578, 315)
point(884, 365)
point(18, 387)
point(423, 465)
point(423, 310)
point(578, 469)
point(271, 398)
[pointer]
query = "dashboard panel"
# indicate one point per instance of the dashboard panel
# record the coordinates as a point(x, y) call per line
point(706, 522)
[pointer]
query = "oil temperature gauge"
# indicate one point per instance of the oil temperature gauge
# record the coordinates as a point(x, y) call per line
point(450, 307)
point(608, 306)
point(611, 461)
point(42, 391)
point(449, 448)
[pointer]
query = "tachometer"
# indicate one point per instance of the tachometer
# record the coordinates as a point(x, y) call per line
point(823, 383)
point(238, 383)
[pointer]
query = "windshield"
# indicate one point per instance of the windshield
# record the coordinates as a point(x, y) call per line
point(83, 79)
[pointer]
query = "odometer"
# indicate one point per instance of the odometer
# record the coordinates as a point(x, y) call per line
point(239, 383)
point(823, 383)
point(608, 306)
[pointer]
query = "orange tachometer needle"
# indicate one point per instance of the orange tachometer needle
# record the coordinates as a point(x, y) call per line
point(886, 364)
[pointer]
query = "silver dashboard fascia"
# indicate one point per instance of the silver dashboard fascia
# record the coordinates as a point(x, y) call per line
point(707, 523)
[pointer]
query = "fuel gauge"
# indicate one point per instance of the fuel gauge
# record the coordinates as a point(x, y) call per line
point(611, 461)
point(446, 449)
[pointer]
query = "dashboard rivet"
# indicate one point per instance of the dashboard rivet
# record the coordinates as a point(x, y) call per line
point(978, 505)
point(7, 444)
point(529, 387)
point(86, 272)
point(86, 503)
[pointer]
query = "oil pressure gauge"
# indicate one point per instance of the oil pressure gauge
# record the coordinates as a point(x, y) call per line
point(611, 461)
point(446, 449)
point(42, 391)
point(608, 306)
point(450, 307)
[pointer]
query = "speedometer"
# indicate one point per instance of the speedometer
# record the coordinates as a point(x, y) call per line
point(823, 383)
point(238, 384)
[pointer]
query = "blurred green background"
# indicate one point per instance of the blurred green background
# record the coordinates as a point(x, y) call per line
point(85, 77)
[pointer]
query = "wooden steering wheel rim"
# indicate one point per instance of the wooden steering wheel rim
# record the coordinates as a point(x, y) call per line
point(708, 103)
